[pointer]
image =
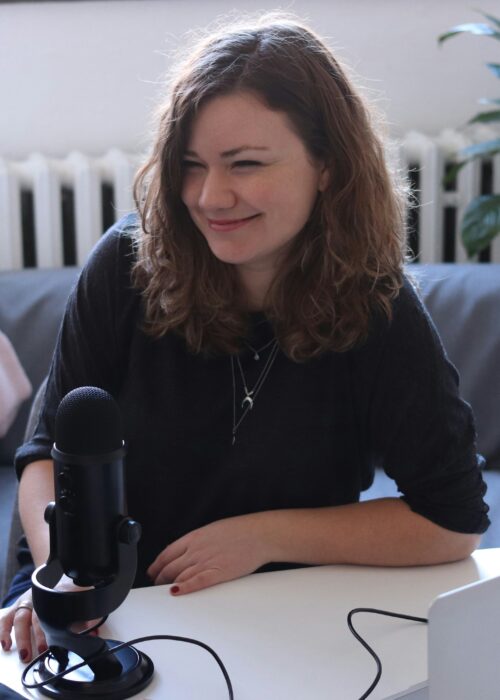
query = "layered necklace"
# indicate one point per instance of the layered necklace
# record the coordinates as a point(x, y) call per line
point(251, 393)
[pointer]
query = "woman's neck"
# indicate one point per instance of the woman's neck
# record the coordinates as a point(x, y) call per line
point(255, 285)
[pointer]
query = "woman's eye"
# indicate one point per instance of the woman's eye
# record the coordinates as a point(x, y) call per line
point(246, 163)
point(191, 164)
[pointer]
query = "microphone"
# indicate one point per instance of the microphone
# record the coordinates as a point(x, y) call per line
point(89, 484)
point(94, 542)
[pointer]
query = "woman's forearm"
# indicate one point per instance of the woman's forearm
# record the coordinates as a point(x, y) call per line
point(383, 532)
point(36, 490)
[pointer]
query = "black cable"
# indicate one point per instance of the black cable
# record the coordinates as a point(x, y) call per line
point(368, 647)
point(188, 640)
point(122, 645)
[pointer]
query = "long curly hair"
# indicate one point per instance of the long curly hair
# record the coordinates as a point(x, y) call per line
point(343, 266)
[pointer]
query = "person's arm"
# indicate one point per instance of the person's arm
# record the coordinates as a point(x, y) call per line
point(384, 532)
point(36, 490)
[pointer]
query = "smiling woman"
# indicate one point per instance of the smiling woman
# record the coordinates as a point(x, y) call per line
point(254, 323)
point(249, 211)
point(286, 92)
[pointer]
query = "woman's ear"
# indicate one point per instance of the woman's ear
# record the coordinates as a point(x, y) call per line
point(324, 179)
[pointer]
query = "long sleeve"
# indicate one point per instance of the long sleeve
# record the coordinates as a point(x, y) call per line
point(420, 430)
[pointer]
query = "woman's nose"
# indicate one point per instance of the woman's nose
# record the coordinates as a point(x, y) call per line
point(216, 192)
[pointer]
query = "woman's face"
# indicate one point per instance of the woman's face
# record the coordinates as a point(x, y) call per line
point(249, 184)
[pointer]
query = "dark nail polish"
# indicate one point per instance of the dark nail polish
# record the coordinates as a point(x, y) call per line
point(42, 648)
point(174, 589)
point(4, 645)
point(23, 654)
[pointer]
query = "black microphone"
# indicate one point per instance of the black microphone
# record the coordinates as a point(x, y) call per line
point(89, 484)
point(94, 542)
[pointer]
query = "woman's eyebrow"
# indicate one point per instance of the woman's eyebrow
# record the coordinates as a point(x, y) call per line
point(233, 151)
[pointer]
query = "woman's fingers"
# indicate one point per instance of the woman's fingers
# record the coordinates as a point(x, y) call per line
point(21, 619)
point(172, 570)
point(168, 556)
point(220, 551)
point(194, 579)
point(22, 631)
point(6, 621)
point(38, 635)
point(18, 618)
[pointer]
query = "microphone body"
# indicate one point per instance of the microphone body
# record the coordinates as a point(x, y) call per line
point(89, 502)
point(89, 485)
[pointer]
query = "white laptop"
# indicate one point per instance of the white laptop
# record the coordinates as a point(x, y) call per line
point(463, 645)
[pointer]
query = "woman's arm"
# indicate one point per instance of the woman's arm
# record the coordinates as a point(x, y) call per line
point(36, 490)
point(384, 532)
point(380, 532)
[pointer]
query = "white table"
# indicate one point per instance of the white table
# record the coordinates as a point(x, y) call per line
point(283, 635)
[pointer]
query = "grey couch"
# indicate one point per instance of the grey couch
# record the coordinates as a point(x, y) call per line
point(464, 301)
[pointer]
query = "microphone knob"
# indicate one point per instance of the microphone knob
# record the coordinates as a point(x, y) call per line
point(49, 512)
point(65, 480)
point(129, 531)
point(67, 503)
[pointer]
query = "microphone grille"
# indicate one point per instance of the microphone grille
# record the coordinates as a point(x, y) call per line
point(88, 422)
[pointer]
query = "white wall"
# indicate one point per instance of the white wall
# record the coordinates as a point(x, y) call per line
point(86, 74)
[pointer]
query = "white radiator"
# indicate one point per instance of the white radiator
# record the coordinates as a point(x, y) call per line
point(52, 211)
point(440, 210)
point(33, 195)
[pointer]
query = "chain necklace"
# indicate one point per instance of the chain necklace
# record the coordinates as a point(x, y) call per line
point(251, 394)
point(256, 351)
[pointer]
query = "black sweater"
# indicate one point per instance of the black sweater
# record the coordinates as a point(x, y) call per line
point(313, 438)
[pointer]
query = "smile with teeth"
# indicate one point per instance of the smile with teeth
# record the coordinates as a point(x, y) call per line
point(229, 224)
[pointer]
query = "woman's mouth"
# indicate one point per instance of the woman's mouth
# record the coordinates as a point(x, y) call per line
point(224, 225)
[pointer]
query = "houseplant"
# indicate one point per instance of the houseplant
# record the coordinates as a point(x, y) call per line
point(481, 221)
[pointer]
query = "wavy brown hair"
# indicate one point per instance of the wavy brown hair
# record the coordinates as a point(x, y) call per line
point(347, 261)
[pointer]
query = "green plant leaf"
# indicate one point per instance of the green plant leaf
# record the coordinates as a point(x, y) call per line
point(477, 150)
point(481, 223)
point(490, 18)
point(486, 117)
point(478, 29)
point(452, 172)
point(494, 68)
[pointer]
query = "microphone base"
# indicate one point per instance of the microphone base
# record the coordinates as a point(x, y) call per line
point(137, 672)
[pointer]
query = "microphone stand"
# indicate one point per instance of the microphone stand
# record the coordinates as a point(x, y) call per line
point(116, 675)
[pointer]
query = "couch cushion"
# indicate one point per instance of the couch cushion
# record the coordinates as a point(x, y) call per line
point(464, 302)
point(32, 302)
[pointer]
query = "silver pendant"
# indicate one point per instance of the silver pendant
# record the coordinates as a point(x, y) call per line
point(248, 399)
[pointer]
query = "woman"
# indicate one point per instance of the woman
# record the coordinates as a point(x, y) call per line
point(265, 349)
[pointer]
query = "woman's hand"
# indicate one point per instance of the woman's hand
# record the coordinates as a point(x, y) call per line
point(23, 620)
point(221, 551)
point(20, 617)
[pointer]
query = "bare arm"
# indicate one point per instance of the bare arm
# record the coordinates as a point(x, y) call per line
point(384, 532)
point(36, 490)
